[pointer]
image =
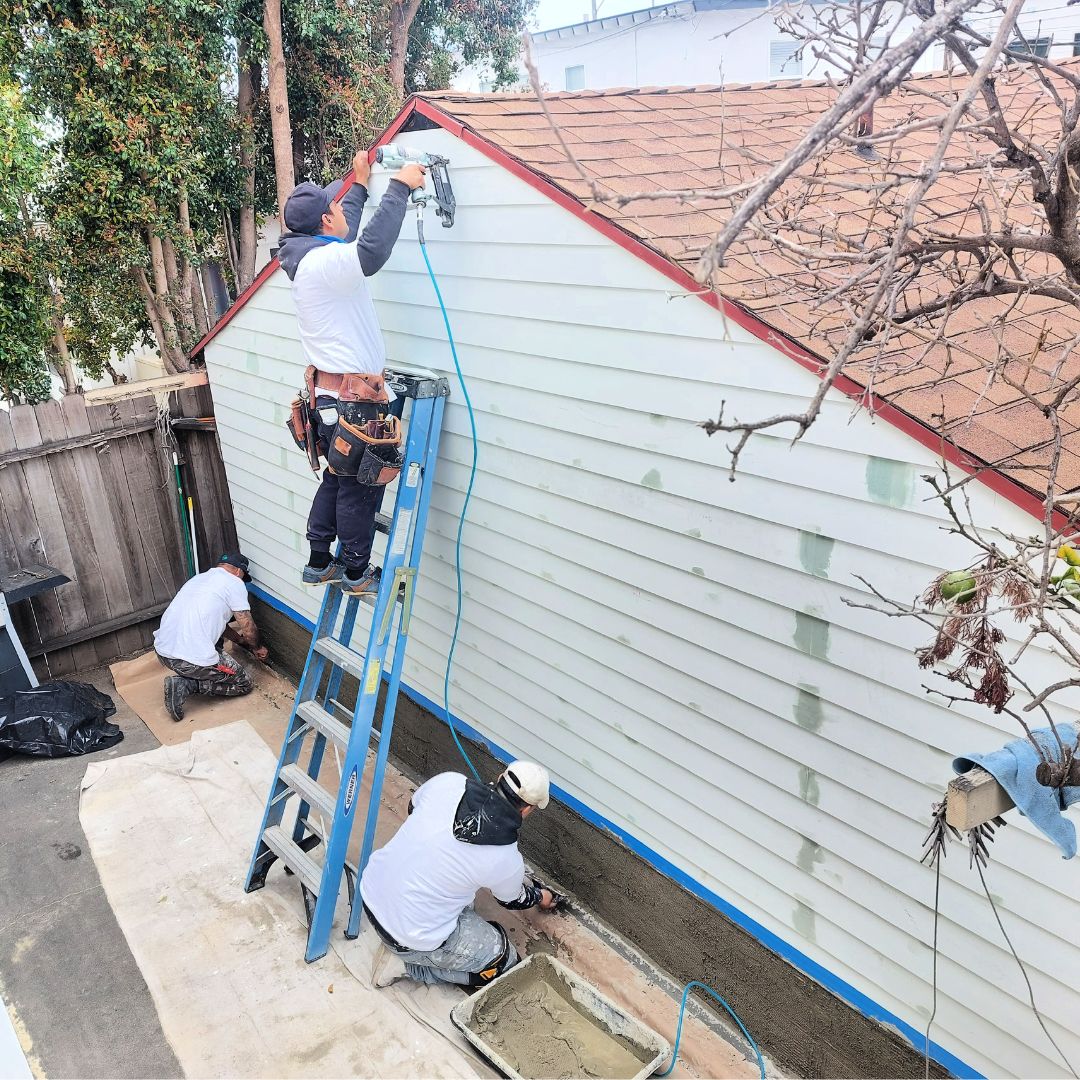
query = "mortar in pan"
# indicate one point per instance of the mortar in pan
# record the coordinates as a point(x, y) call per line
point(541, 1020)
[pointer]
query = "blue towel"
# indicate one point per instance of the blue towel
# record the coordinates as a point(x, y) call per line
point(1013, 767)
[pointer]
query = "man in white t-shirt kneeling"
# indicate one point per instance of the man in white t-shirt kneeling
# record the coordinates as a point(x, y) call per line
point(190, 640)
point(418, 890)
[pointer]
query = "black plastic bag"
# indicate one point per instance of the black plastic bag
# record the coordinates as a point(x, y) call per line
point(58, 719)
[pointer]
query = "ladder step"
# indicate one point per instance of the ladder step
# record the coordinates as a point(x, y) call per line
point(382, 523)
point(311, 712)
point(311, 791)
point(341, 656)
point(299, 862)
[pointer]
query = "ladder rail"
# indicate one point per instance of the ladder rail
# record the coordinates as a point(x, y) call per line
point(400, 541)
point(330, 656)
point(394, 682)
point(263, 855)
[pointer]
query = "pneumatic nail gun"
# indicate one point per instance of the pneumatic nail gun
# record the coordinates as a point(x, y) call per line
point(395, 156)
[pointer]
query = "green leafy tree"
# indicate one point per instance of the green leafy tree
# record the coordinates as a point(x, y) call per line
point(149, 167)
point(26, 299)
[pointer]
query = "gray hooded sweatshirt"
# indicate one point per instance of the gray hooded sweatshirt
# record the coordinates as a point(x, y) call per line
point(335, 314)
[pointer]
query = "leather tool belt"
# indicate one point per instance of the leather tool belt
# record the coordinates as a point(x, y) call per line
point(359, 437)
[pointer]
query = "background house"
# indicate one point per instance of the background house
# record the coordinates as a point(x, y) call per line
point(675, 647)
point(701, 42)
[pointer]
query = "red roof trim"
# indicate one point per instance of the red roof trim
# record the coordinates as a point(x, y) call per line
point(909, 425)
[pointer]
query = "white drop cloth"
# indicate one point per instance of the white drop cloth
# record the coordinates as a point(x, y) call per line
point(171, 832)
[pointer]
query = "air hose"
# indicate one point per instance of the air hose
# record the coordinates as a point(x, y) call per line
point(468, 495)
point(457, 626)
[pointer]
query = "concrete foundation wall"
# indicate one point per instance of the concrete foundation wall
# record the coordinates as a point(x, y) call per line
point(798, 1023)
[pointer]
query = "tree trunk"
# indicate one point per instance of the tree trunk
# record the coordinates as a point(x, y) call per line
point(115, 375)
point(168, 253)
point(67, 368)
point(184, 291)
point(249, 75)
point(157, 310)
point(402, 14)
point(167, 287)
point(231, 253)
point(280, 125)
point(198, 306)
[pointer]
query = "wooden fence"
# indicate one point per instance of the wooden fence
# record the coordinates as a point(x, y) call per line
point(91, 490)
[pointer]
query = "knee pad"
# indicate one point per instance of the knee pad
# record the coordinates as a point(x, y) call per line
point(502, 963)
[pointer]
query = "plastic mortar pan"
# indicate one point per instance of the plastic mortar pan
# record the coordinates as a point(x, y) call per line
point(651, 1049)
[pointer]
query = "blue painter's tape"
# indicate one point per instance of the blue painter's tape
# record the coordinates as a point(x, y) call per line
point(843, 989)
point(277, 605)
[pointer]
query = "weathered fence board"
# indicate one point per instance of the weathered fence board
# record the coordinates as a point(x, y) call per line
point(91, 490)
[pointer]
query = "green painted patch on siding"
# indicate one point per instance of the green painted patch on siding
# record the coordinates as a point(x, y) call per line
point(697, 570)
point(657, 419)
point(809, 714)
point(547, 576)
point(495, 409)
point(576, 463)
point(252, 362)
point(815, 552)
point(652, 480)
point(809, 791)
point(695, 533)
point(812, 634)
point(624, 639)
point(804, 918)
point(810, 854)
point(889, 482)
point(694, 705)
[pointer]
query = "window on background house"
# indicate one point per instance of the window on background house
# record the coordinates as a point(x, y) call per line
point(575, 77)
point(785, 61)
point(1035, 46)
point(1076, 44)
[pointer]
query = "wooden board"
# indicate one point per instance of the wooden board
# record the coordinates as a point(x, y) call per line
point(102, 527)
point(67, 490)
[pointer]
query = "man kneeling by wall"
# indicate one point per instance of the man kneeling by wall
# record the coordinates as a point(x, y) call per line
point(191, 638)
point(418, 891)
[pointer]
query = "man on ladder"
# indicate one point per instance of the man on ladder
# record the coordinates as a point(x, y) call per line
point(344, 413)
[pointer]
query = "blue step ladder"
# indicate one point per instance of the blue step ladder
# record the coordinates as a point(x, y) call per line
point(324, 819)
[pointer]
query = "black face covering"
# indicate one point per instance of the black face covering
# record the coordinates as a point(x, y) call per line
point(485, 817)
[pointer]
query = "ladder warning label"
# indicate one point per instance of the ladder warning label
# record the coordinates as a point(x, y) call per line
point(412, 478)
point(371, 678)
point(401, 533)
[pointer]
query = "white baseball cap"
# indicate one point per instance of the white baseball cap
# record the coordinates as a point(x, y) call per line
point(528, 781)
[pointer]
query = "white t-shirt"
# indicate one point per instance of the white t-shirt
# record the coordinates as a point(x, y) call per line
point(339, 329)
point(419, 884)
point(198, 615)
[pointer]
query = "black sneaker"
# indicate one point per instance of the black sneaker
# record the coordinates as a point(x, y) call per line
point(177, 691)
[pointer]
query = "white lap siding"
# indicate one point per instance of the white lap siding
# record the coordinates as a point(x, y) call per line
point(675, 647)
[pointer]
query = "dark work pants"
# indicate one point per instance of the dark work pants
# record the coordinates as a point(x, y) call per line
point(345, 510)
point(227, 678)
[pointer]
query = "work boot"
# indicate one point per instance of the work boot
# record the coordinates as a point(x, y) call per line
point(366, 585)
point(177, 691)
point(387, 967)
point(326, 576)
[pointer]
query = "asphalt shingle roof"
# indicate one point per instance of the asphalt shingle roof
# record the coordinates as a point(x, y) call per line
point(649, 140)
